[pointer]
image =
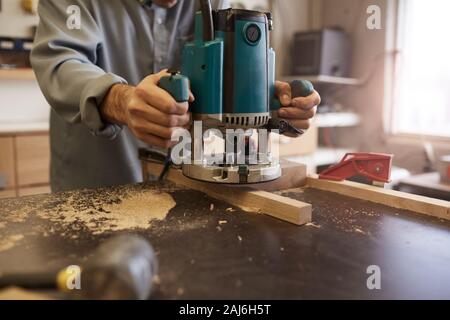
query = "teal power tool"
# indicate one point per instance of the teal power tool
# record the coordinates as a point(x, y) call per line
point(230, 68)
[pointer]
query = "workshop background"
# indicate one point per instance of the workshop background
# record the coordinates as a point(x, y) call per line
point(384, 88)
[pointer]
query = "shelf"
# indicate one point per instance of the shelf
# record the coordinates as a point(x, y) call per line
point(17, 74)
point(325, 80)
point(8, 129)
point(337, 120)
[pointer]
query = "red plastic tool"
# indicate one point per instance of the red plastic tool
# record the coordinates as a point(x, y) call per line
point(375, 167)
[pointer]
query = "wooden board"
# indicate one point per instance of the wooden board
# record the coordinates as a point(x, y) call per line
point(7, 194)
point(294, 175)
point(33, 160)
point(34, 191)
point(395, 199)
point(246, 198)
point(17, 74)
point(7, 161)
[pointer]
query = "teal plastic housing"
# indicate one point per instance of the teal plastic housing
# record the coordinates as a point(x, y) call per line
point(252, 87)
point(203, 65)
point(251, 72)
point(177, 85)
point(274, 102)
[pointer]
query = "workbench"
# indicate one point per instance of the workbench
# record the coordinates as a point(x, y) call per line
point(208, 249)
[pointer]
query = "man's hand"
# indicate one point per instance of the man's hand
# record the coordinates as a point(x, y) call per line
point(298, 111)
point(150, 112)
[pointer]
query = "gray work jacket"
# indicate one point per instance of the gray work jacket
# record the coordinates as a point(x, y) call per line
point(82, 48)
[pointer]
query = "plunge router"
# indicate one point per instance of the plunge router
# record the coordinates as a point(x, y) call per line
point(230, 69)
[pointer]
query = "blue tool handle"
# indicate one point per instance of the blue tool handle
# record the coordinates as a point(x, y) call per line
point(177, 85)
point(299, 88)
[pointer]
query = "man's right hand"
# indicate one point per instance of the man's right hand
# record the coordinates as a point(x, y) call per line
point(150, 112)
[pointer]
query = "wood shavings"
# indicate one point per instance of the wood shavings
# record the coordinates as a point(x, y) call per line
point(94, 211)
point(132, 212)
point(312, 224)
point(10, 242)
point(357, 230)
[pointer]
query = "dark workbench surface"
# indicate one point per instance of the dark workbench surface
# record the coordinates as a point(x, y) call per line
point(209, 249)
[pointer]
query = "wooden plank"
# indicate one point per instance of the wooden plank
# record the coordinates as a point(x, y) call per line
point(33, 160)
point(395, 199)
point(294, 176)
point(23, 192)
point(7, 194)
point(246, 198)
point(7, 162)
point(17, 74)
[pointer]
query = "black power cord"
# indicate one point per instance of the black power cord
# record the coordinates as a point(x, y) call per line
point(208, 25)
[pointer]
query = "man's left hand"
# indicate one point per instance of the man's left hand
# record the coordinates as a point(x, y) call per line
point(298, 111)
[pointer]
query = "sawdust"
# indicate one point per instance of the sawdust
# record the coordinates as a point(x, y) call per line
point(345, 213)
point(141, 209)
point(16, 216)
point(10, 242)
point(93, 211)
point(132, 212)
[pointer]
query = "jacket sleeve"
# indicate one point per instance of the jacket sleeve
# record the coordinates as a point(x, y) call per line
point(64, 59)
